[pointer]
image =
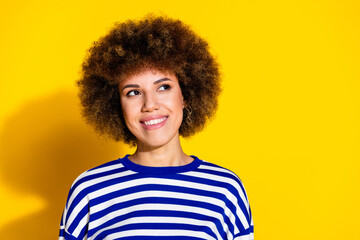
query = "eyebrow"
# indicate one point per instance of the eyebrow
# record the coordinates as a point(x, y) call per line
point(137, 86)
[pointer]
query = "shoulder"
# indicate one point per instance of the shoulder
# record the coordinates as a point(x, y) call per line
point(89, 180)
point(86, 184)
point(218, 170)
point(99, 171)
point(234, 189)
point(224, 175)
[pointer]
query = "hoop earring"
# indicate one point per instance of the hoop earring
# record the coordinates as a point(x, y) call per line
point(188, 114)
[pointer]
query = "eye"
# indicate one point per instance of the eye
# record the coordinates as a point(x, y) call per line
point(132, 93)
point(164, 87)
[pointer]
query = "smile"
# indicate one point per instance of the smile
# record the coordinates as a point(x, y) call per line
point(154, 121)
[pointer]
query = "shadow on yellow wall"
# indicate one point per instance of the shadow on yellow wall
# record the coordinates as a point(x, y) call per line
point(44, 146)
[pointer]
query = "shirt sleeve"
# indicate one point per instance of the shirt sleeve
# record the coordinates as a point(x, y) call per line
point(248, 232)
point(75, 217)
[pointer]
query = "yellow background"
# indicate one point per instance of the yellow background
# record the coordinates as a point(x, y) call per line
point(288, 120)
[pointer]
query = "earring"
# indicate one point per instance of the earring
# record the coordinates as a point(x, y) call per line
point(188, 114)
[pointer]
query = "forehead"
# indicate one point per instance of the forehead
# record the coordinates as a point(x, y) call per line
point(147, 76)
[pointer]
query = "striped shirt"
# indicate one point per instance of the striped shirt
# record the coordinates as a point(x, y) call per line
point(124, 200)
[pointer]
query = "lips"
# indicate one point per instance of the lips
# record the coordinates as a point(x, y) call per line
point(153, 122)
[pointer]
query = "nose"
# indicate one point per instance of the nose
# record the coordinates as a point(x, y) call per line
point(150, 103)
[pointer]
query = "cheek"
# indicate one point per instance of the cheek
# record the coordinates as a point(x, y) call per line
point(178, 105)
point(129, 118)
point(175, 103)
point(127, 111)
point(179, 100)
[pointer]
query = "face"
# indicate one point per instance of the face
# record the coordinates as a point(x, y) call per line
point(152, 105)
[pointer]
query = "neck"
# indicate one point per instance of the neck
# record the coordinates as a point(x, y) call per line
point(170, 154)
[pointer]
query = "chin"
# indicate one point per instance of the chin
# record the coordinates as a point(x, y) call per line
point(153, 143)
point(157, 141)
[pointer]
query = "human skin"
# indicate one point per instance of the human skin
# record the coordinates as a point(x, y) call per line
point(152, 105)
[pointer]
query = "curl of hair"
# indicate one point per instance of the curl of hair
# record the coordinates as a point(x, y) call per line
point(152, 43)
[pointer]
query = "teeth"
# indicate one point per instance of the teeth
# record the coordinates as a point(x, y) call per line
point(155, 121)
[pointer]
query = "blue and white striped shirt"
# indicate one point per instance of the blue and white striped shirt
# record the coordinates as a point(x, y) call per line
point(124, 200)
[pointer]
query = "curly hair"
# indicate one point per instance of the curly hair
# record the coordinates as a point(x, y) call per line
point(158, 43)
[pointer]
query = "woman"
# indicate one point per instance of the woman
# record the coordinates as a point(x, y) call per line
point(146, 83)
